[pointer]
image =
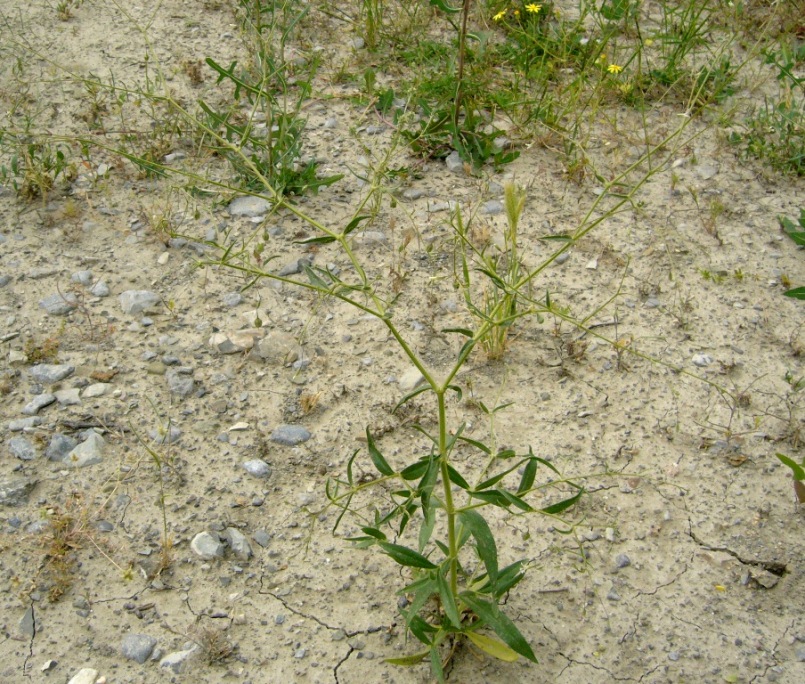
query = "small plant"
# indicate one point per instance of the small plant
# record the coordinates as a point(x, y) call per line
point(41, 352)
point(214, 644)
point(35, 167)
point(798, 475)
point(64, 9)
point(797, 233)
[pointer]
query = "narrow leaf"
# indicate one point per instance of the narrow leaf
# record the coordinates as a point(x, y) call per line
point(442, 5)
point(377, 457)
point(411, 395)
point(319, 240)
point(372, 532)
point(517, 501)
point(426, 528)
point(405, 556)
point(416, 470)
point(497, 649)
point(455, 478)
point(457, 390)
point(797, 470)
point(448, 601)
point(408, 661)
point(796, 293)
point(484, 541)
point(353, 224)
point(503, 626)
point(529, 475)
point(461, 331)
point(563, 505)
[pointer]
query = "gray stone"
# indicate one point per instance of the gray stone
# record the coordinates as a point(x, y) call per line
point(166, 434)
point(622, 561)
point(60, 446)
point(86, 675)
point(59, 304)
point(137, 647)
point(96, 389)
point(26, 623)
point(100, 289)
point(176, 661)
point(413, 194)
point(238, 543)
point(68, 397)
point(501, 142)
point(454, 163)
point(49, 373)
point(702, 360)
point(82, 277)
point(38, 403)
point(373, 238)
point(5, 280)
point(14, 492)
point(180, 383)
point(137, 301)
point(257, 468)
point(249, 206)
point(562, 258)
point(493, 207)
point(278, 347)
point(232, 299)
point(236, 341)
point(21, 448)
point(207, 546)
point(410, 379)
point(262, 538)
point(89, 452)
point(290, 435)
point(21, 424)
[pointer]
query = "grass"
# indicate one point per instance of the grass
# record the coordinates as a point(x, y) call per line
point(484, 71)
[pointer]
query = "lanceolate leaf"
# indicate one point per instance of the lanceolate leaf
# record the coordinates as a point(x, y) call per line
point(455, 478)
point(408, 661)
point(484, 541)
point(563, 505)
point(448, 601)
point(797, 470)
point(503, 627)
point(411, 395)
point(796, 293)
point(377, 457)
point(353, 224)
point(529, 474)
point(442, 5)
point(405, 556)
point(497, 649)
point(416, 470)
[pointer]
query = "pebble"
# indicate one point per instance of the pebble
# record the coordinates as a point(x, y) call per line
point(89, 452)
point(673, 656)
point(413, 194)
point(562, 258)
point(262, 538)
point(165, 434)
point(249, 206)
point(68, 397)
point(175, 661)
point(86, 675)
point(82, 277)
point(257, 468)
point(95, 390)
point(137, 647)
point(232, 299)
point(180, 383)
point(14, 492)
point(207, 546)
point(290, 435)
point(613, 595)
point(21, 424)
point(137, 301)
point(492, 207)
point(238, 543)
point(278, 347)
point(26, 623)
point(100, 289)
point(59, 304)
point(622, 561)
point(702, 360)
point(5, 280)
point(49, 373)
point(235, 342)
point(454, 163)
point(21, 448)
point(411, 379)
point(38, 403)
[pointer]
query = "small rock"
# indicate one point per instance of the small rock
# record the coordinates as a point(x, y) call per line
point(59, 304)
point(175, 661)
point(21, 448)
point(262, 538)
point(413, 194)
point(165, 434)
point(622, 561)
point(357, 43)
point(21, 424)
point(454, 163)
point(86, 675)
point(238, 543)
point(207, 546)
point(411, 379)
point(235, 342)
point(26, 623)
point(180, 383)
point(89, 452)
point(702, 360)
point(60, 446)
point(14, 492)
point(562, 258)
point(49, 373)
point(492, 207)
point(49, 665)
point(372, 238)
point(613, 595)
point(592, 265)
point(673, 656)
point(100, 289)
point(5, 280)
point(232, 299)
point(137, 301)
point(82, 277)
point(290, 435)
point(706, 171)
point(257, 468)
point(137, 647)
point(97, 389)
point(278, 347)
point(68, 397)
point(38, 403)
point(249, 206)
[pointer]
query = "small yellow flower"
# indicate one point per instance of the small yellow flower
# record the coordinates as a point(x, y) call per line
point(533, 8)
point(499, 16)
point(516, 13)
point(614, 69)
point(648, 42)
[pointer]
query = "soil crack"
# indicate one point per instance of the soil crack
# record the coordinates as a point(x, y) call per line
point(573, 661)
point(774, 567)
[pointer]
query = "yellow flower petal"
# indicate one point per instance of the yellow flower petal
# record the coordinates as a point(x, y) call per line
point(499, 16)
point(533, 8)
point(614, 69)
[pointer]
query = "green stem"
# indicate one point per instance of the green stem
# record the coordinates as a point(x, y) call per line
point(449, 507)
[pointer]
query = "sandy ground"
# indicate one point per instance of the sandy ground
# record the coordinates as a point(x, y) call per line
point(686, 562)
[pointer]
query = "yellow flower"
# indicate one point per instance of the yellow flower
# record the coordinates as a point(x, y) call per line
point(499, 15)
point(533, 8)
point(614, 69)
